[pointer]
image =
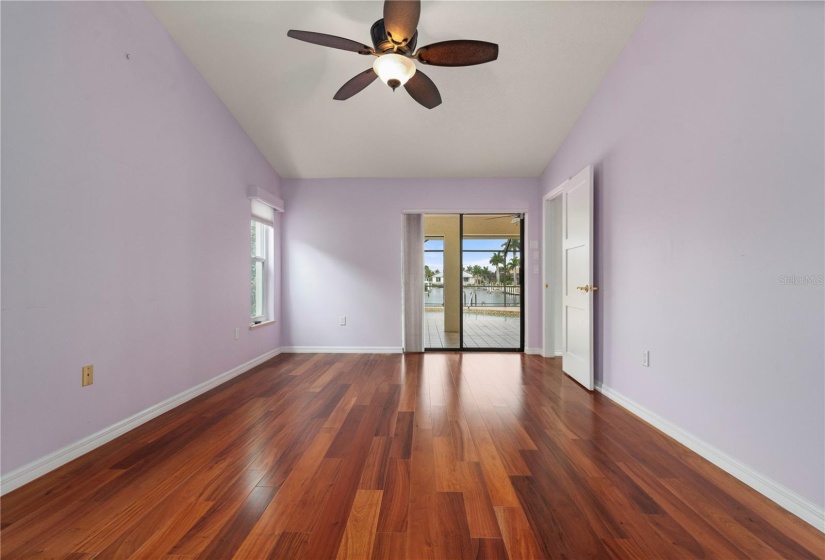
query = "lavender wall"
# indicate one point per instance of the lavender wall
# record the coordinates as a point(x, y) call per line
point(125, 223)
point(707, 141)
point(342, 252)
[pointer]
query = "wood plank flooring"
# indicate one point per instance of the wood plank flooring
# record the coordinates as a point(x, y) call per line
point(422, 456)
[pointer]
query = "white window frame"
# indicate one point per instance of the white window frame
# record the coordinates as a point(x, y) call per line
point(263, 237)
point(264, 209)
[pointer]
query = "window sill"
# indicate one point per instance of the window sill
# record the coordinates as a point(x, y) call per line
point(256, 325)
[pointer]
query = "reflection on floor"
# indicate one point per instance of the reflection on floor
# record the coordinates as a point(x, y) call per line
point(480, 331)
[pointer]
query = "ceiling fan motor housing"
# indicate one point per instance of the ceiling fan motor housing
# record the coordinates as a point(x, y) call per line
point(382, 42)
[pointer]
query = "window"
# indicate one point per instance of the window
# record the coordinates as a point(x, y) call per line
point(261, 236)
point(264, 255)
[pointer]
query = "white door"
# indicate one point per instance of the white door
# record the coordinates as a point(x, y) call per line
point(577, 278)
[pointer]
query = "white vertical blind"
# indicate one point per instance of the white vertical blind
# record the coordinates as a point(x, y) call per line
point(413, 278)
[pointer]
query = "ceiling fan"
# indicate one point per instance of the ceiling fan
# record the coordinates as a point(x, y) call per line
point(394, 40)
point(514, 218)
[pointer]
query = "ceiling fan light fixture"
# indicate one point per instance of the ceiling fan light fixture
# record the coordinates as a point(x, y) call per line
point(394, 69)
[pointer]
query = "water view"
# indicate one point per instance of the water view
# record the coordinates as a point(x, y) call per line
point(478, 296)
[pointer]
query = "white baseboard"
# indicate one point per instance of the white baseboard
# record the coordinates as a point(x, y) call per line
point(532, 350)
point(788, 499)
point(341, 349)
point(39, 467)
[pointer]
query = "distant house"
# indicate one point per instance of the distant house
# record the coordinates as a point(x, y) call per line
point(466, 278)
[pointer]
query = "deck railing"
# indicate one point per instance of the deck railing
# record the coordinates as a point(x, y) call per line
point(483, 295)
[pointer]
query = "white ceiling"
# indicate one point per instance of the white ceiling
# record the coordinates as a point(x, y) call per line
point(502, 119)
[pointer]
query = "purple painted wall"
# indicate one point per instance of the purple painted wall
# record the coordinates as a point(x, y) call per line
point(707, 141)
point(125, 223)
point(342, 252)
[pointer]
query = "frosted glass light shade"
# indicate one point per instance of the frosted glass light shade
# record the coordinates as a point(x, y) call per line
point(394, 69)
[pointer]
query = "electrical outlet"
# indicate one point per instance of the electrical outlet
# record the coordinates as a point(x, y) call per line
point(87, 376)
point(342, 321)
point(646, 358)
point(237, 333)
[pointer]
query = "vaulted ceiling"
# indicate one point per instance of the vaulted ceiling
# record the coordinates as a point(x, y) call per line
point(502, 119)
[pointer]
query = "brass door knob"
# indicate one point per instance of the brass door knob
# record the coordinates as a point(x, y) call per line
point(586, 288)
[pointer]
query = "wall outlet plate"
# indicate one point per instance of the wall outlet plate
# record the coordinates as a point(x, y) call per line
point(646, 358)
point(342, 321)
point(87, 375)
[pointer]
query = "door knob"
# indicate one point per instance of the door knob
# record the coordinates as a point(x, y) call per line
point(547, 285)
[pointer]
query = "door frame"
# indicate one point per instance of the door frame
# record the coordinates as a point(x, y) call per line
point(548, 309)
point(550, 245)
point(547, 319)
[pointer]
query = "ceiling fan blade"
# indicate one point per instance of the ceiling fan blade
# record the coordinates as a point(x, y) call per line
point(401, 19)
point(422, 89)
point(356, 84)
point(329, 41)
point(457, 53)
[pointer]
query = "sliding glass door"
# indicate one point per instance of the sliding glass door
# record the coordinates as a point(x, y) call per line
point(473, 282)
point(442, 268)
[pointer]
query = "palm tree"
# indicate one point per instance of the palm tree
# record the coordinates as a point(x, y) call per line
point(513, 266)
point(511, 246)
point(497, 260)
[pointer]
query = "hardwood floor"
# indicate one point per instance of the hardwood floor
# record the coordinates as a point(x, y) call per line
point(447, 456)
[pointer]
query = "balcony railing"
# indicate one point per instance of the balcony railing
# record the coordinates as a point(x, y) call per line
point(477, 295)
